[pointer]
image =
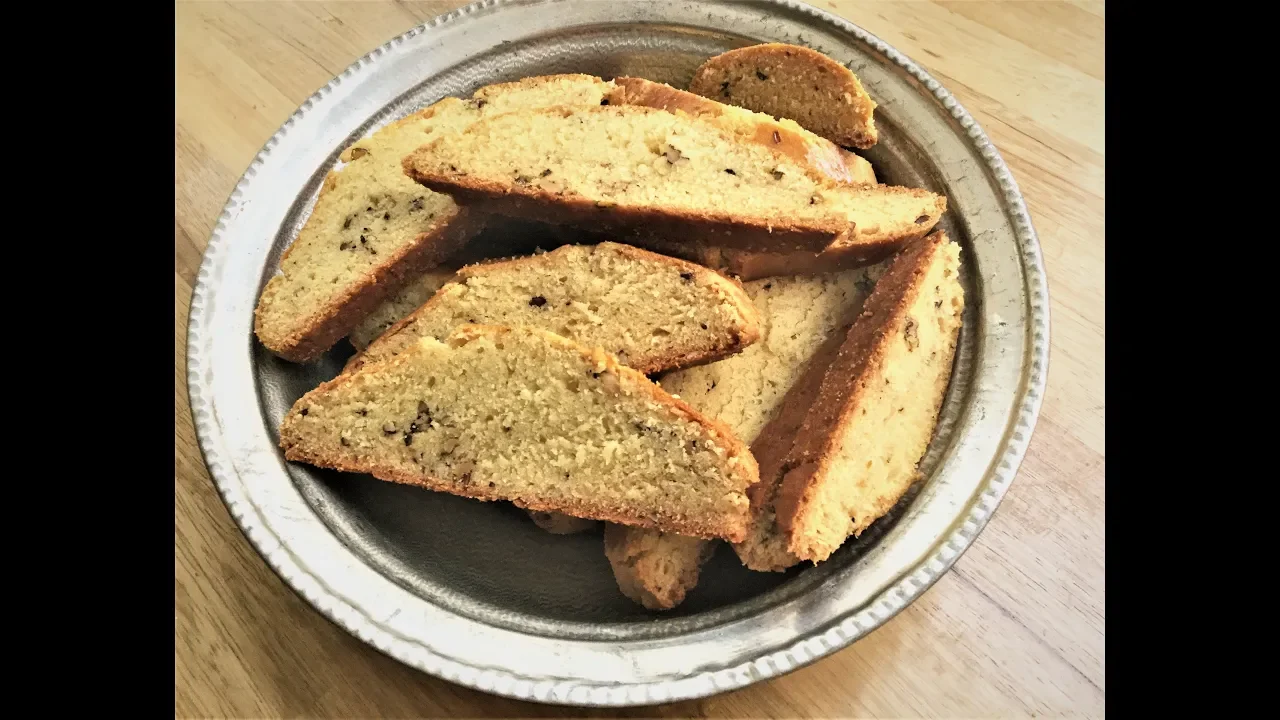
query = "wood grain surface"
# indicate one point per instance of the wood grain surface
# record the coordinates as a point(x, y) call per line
point(1016, 629)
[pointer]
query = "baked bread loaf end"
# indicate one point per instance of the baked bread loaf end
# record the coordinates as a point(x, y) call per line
point(793, 82)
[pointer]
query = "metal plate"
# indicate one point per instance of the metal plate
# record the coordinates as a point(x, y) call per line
point(473, 592)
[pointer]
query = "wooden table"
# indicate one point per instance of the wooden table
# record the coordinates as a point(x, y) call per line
point(1017, 628)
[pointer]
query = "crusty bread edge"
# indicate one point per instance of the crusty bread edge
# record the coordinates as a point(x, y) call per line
point(900, 286)
point(732, 528)
point(863, 139)
point(814, 152)
point(332, 321)
point(749, 324)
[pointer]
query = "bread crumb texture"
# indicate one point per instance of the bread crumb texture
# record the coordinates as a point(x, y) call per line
point(370, 221)
point(653, 312)
point(525, 415)
point(653, 568)
point(745, 392)
point(398, 306)
point(797, 315)
point(646, 164)
point(858, 450)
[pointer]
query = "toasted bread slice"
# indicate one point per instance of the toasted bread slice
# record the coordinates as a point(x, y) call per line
point(802, 146)
point(561, 524)
point(802, 315)
point(656, 173)
point(792, 82)
point(857, 450)
point(373, 231)
point(653, 312)
point(527, 416)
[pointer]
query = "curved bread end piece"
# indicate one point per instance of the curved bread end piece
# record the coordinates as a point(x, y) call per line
point(527, 416)
point(654, 312)
point(789, 81)
point(653, 568)
point(858, 449)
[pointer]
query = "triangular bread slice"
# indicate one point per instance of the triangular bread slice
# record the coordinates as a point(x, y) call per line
point(527, 416)
point(857, 449)
point(372, 230)
point(653, 312)
point(792, 82)
point(650, 172)
point(801, 316)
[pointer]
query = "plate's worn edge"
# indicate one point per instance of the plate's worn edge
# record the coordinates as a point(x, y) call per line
point(802, 652)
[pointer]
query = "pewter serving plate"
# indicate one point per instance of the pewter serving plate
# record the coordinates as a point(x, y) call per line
point(474, 592)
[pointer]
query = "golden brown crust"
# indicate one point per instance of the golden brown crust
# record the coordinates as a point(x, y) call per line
point(860, 170)
point(561, 524)
point(764, 549)
point(846, 383)
point(728, 289)
point(850, 250)
point(333, 321)
point(655, 569)
point(729, 527)
point(309, 338)
point(808, 150)
point(775, 78)
point(636, 222)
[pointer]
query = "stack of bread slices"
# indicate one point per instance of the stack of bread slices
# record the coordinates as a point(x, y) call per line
point(753, 349)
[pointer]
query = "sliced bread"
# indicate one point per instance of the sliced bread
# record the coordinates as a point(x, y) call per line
point(561, 524)
point(372, 230)
point(653, 312)
point(655, 173)
point(857, 451)
point(784, 136)
point(792, 82)
point(654, 568)
point(527, 416)
point(787, 137)
point(745, 392)
point(394, 309)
